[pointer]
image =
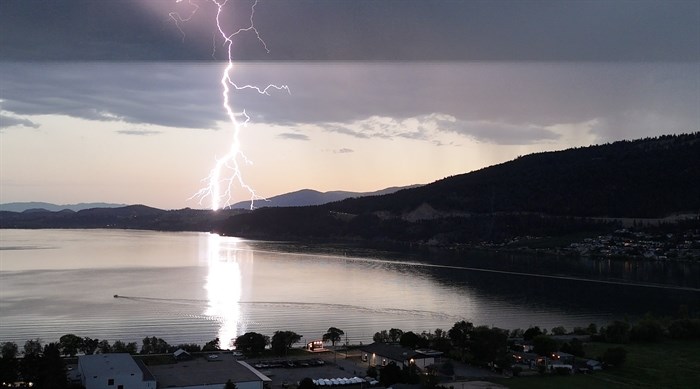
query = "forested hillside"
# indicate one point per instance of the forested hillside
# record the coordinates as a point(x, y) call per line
point(550, 193)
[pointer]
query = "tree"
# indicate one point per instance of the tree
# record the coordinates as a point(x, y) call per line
point(531, 333)
point(592, 329)
point(307, 383)
point(52, 369)
point(440, 344)
point(439, 333)
point(251, 343)
point(489, 344)
point(154, 345)
point(381, 337)
point(9, 365)
point(684, 329)
point(389, 374)
point(283, 341)
point(89, 345)
point(460, 334)
point(212, 345)
point(647, 330)
point(32, 347)
point(411, 340)
point(559, 331)
point(121, 347)
point(70, 344)
point(410, 374)
point(575, 347)
point(31, 362)
point(333, 335)
point(395, 334)
point(616, 332)
point(544, 345)
point(103, 347)
point(9, 350)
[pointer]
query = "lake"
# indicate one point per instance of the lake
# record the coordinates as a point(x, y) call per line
point(193, 287)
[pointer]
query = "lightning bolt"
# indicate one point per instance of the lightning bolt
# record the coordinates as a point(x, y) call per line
point(227, 170)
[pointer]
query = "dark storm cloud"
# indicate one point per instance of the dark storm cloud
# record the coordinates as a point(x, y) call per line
point(160, 94)
point(508, 30)
point(507, 103)
point(9, 121)
point(293, 136)
point(511, 101)
point(500, 103)
point(138, 132)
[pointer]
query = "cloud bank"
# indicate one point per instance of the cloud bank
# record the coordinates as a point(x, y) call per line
point(498, 103)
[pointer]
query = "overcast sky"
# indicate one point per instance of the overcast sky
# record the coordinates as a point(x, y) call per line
point(114, 101)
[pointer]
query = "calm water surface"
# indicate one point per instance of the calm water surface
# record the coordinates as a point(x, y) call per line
point(192, 287)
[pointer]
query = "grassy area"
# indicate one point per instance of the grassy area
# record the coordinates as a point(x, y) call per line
point(669, 364)
point(578, 381)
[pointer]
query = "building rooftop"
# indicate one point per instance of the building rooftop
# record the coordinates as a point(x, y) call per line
point(397, 352)
point(104, 364)
point(205, 371)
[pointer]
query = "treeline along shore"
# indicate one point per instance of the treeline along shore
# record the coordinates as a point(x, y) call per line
point(511, 353)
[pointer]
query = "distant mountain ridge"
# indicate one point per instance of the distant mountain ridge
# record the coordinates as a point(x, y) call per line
point(104, 215)
point(37, 205)
point(306, 197)
point(298, 198)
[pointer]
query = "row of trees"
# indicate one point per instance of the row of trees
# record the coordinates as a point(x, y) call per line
point(480, 345)
point(463, 341)
point(71, 344)
point(649, 329)
point(253, 343)
point(41, 365)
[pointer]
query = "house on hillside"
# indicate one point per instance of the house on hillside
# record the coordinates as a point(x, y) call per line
point(114, 371)
point(381, 354)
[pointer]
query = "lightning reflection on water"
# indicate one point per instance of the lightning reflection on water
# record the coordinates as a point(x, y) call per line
point(224, 289)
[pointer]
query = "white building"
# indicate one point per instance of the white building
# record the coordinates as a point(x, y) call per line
point(114, 371)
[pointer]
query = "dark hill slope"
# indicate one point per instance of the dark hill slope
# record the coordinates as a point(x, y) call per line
point(644, 178)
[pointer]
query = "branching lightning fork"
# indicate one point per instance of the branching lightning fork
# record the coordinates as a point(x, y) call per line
point(227, 171)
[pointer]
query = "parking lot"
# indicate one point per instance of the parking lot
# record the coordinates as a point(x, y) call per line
point(286, 372)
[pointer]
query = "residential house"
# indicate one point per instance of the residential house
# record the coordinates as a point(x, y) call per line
point(114, 371)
